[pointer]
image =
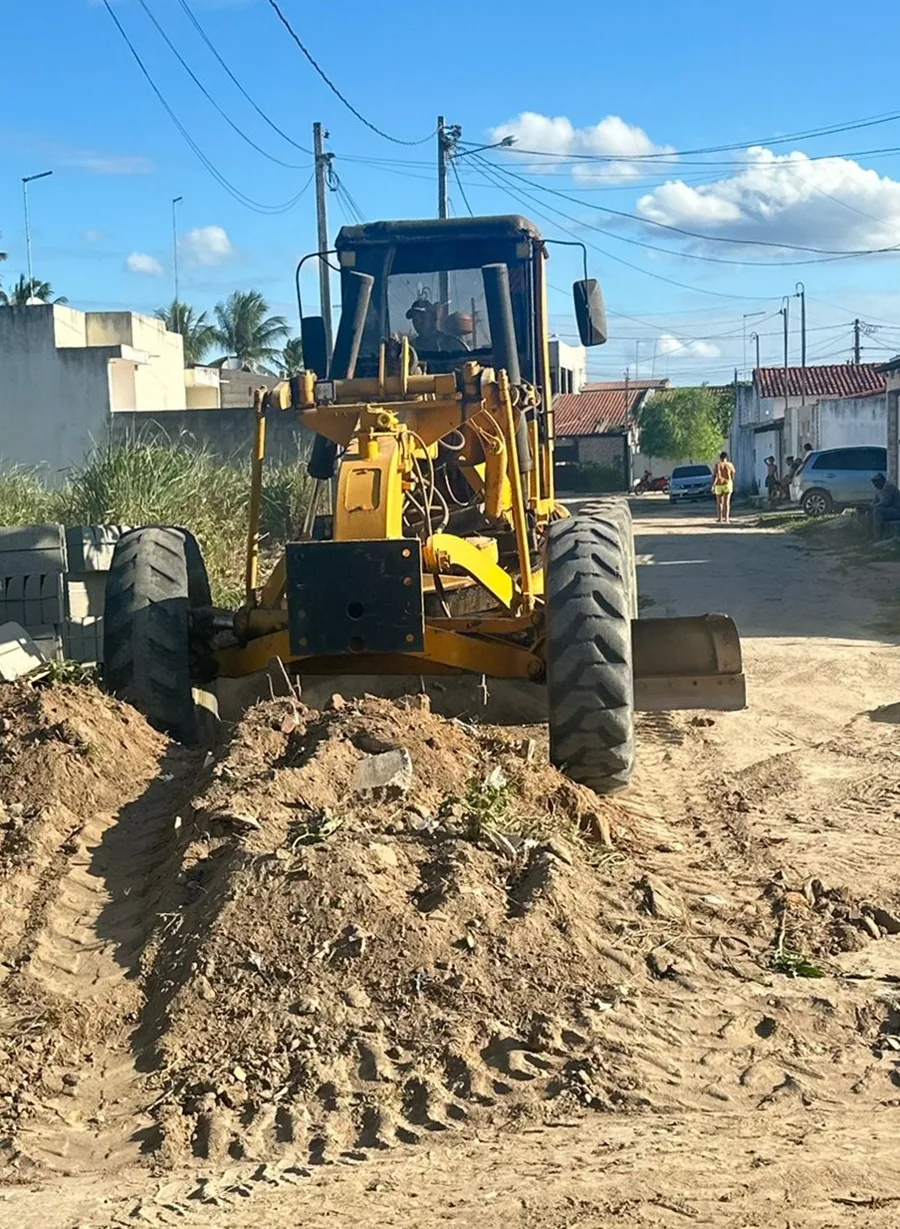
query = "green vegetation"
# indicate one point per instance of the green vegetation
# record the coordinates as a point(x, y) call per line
point(291, 357)
point(146, 483)
point(196, 331)
point(245, 329)
point(26, 289)
point(685, 424)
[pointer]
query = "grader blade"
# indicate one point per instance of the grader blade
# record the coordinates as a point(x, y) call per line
point(687, 663)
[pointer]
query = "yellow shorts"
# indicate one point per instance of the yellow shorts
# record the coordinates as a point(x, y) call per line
point(723, 488)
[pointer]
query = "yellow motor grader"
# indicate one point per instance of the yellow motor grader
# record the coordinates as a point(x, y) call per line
point(435, 544)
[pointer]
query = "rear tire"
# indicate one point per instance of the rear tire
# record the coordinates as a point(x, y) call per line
point(817, 502)
point(153, 658)
point(590, 687)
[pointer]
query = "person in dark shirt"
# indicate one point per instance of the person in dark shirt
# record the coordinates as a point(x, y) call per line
point(887, 504)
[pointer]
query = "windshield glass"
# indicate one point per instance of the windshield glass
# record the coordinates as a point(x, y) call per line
point(691, 471)
point(440, 313)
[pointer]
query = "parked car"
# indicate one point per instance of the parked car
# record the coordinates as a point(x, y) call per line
point(835, 478)
point(690, 482)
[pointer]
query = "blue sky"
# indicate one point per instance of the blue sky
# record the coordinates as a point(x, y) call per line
point(630, 84)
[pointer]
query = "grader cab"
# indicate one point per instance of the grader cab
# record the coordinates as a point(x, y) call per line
point(434, 544)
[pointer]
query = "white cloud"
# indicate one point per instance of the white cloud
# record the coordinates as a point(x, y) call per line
point(140, 262)
point(207, 246)
point(611, 138)
point(670, 345)
point(831, 203)
point(108, 164)
point(93, 236)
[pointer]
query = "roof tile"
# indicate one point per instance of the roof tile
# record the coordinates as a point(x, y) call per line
point(600, 407)
point(836, 380)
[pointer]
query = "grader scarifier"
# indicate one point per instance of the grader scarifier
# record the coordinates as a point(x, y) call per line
point(441, 547)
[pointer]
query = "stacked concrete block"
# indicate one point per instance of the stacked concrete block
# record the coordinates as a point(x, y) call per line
point(90, 550)
point(53, 583)
point(32, 582)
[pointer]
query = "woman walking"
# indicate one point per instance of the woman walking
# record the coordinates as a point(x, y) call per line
point(723, 488)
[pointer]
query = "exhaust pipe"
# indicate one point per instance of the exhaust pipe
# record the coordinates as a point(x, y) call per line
point(503, 343)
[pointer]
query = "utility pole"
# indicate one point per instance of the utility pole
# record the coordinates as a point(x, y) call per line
point(176, 201)
point(443, 151)
point(447, 137)
point(26, 180)
point(785, 313)
point(323, 165)
point(856, 345)
point(800, 290)
point(755, 337)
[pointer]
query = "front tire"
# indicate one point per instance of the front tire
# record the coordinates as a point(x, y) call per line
point(817, 502)
point(590, 686)
point(153, 656)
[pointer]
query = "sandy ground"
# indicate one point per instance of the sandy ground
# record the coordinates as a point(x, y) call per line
point(772, 1100)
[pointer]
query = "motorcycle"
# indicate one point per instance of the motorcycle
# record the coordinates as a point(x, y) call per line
point(648, 483)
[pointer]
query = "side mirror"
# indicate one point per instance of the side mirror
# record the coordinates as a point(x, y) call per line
point(590, 312)
point(315, 347)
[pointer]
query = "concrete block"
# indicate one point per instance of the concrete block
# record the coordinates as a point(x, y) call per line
point(51, 538)
point(90, 547)
point(19, 652)
point(86, 594)
point(82, 640)
point(392, 769)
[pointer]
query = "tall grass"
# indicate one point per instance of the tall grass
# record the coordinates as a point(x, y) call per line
point(152, 483)
point(24, 498)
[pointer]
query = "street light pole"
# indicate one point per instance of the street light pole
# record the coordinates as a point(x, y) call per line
point(785, 313)
point(800, 291)
point(747, 316)
point(176, 201)
point(26, 180)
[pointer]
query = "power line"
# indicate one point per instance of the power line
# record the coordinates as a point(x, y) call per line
point(249, 97)
point(633, 217)
point(486, 169)
point(256, 206)
point(872, 121)
point(652, 247)
point(294, 166)
point(455, 169)
point(334, 89)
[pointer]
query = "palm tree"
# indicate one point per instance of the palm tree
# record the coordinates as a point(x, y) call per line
point(196, 331)
point(246, 330)
point(25, 290)
point(291, 360)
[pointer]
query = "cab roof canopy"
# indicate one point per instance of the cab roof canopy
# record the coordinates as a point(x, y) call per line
point(509, 226)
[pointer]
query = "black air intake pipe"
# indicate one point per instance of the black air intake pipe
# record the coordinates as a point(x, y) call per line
point(503, 344)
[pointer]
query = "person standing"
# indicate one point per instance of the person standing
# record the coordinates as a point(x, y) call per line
point(772, 484)
point(723, 488)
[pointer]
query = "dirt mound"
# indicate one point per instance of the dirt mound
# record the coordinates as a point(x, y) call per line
point(348, 968)
point(85, 800)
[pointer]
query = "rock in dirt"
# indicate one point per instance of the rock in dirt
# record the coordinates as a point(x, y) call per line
point(888, 922)
point(19, 653)
point(388, 770)
point(661, 900)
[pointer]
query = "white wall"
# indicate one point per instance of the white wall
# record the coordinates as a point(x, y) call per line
point(54, 398)
point(159, 375)
point(850, 422)
point(573, 359)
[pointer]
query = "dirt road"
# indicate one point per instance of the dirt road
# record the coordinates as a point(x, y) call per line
point(748, 1097)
